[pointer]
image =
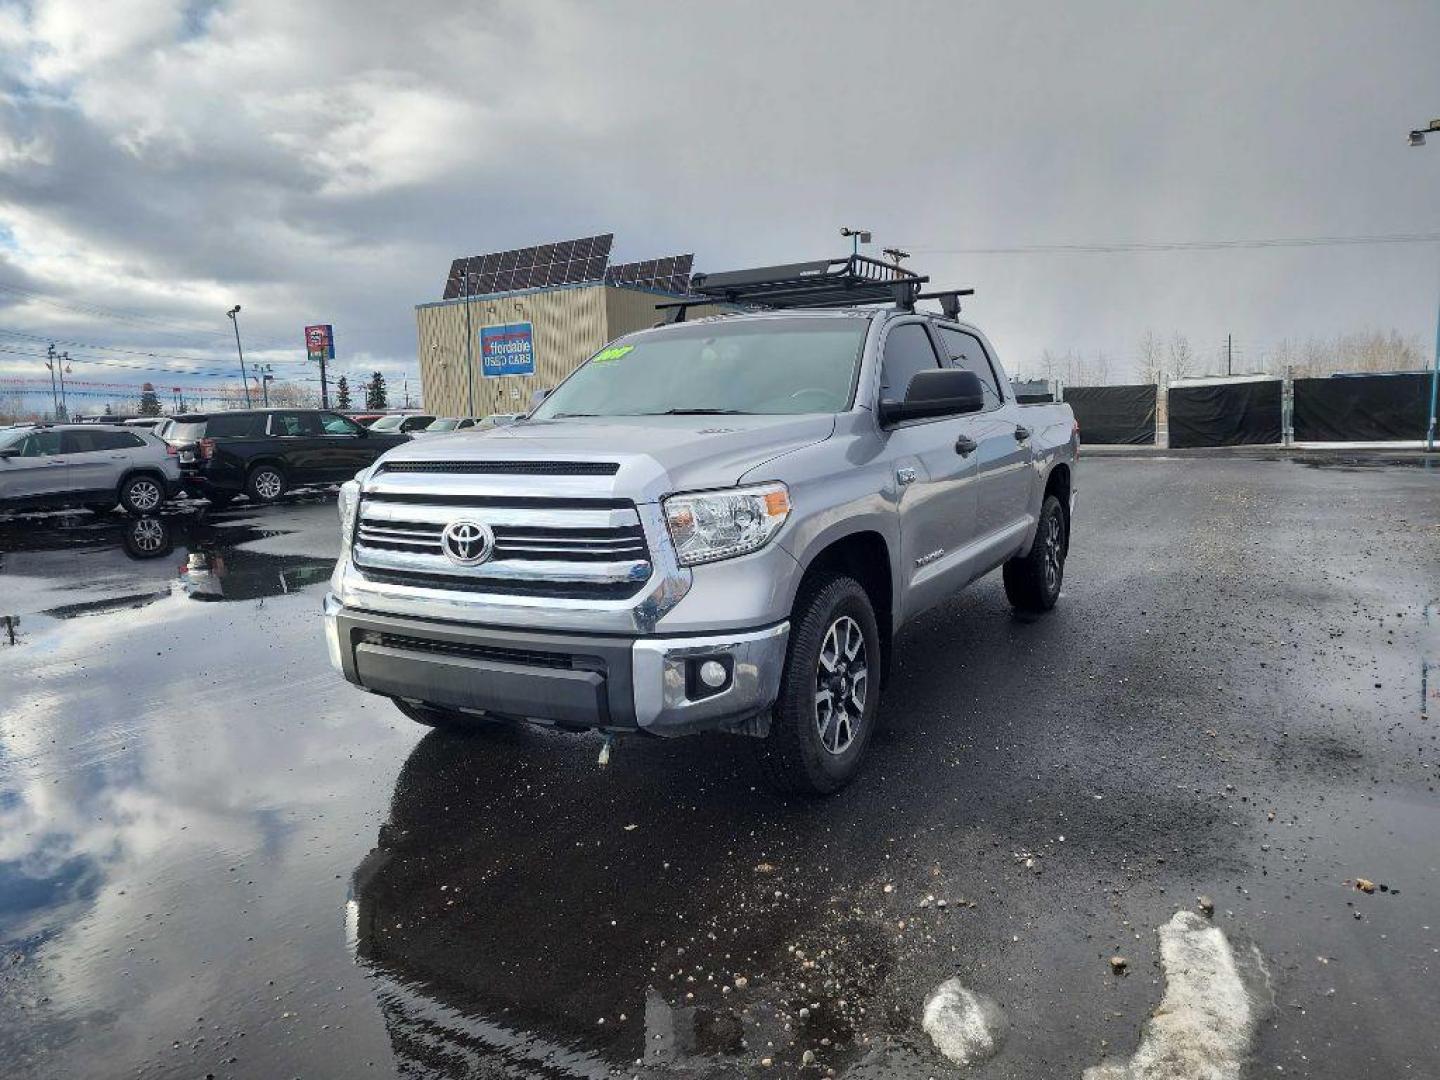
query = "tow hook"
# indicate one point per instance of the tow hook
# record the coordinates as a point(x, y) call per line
point(607, 741)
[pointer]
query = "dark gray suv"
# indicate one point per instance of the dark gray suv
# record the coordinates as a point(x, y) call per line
point(90, 465)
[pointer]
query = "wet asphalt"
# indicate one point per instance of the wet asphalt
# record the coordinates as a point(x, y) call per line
point(217, 859)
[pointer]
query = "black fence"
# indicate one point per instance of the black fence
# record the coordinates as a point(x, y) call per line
point(1114, 415)
point(1362, 408)
point(1224, 414)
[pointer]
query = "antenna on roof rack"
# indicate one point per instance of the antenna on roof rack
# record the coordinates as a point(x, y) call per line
point(855, 279)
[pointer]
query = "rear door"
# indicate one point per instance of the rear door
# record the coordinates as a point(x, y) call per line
point(87, 461)
point(934, 480)
point(36, 469)
point(1003, 457)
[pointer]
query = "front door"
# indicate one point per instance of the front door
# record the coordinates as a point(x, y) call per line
point(302, 447)
point(35, 470)
point(934, 476)
point(346, 449)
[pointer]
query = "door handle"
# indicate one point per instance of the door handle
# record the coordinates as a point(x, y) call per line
point(965, 446)
point(1021, 433)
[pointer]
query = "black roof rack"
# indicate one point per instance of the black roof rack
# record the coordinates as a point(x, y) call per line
point(844, 282)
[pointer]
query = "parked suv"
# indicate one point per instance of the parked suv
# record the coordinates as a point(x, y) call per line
point(91, 465)
point(403, 422)
point(263, 453)
point(719, 524)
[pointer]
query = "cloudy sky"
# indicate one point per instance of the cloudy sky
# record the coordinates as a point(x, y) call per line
point(324, 161)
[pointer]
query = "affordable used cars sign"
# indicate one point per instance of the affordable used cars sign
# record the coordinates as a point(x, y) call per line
point(507, 349)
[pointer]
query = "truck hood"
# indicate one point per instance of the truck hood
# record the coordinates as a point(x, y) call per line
point(656, 455)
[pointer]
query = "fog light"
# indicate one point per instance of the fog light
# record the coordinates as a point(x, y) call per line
point(713, 674)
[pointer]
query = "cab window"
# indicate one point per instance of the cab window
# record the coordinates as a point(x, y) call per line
point(907, 351)
point(40, 444)
point(335, 424)
point(965, 351)
point(290, 424)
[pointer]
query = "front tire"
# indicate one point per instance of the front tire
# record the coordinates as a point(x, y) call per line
point(1033, 582)
point(829, 692)
point(265, 484)
point(142, 495)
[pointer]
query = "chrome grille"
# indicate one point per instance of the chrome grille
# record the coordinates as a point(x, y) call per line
point(566, 547)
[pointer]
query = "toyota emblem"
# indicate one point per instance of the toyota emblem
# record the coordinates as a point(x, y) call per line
point(467, 543)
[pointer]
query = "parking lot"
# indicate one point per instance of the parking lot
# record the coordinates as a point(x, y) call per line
point(216, 858)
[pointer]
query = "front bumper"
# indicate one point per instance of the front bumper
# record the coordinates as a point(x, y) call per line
point(610, 682)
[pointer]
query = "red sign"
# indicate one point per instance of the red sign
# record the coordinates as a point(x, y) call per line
point(320, 342)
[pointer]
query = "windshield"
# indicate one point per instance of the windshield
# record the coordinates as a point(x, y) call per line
point(443, 425)
point(12, 438)
point(772, 366)
point(387, 423)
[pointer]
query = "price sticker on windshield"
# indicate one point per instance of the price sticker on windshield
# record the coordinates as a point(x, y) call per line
point(614, 352)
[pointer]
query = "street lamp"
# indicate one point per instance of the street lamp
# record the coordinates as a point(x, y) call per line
point(244, 382)
point(857, 237)
point(1417, 138)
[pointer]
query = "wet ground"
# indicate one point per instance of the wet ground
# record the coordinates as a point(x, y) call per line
point(217, 859)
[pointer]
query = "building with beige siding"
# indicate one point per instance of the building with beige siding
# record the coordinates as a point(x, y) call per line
point(553, 327)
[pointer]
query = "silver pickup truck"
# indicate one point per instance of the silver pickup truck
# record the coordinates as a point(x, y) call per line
point(715, 524)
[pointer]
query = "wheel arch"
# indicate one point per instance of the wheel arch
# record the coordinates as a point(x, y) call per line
point(865, 555)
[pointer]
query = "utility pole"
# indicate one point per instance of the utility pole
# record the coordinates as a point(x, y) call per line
point(64, 366)
point(244, 381)
point(54, 397)
point(1229, 370)
point(469, 342)
point(1417, 138)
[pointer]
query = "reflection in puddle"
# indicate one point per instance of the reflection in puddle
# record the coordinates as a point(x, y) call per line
point(69, 565)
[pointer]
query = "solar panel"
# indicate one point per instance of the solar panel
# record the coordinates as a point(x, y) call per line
point(671, 274)
point(565, 263)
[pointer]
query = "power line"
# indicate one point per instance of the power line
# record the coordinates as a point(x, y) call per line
point(46, 339)
point(1120, 248)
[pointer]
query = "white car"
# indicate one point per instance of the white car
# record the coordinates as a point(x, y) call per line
point(90, 465)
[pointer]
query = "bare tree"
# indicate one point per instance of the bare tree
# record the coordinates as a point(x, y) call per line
point(1179, 357)
point(1152, 358)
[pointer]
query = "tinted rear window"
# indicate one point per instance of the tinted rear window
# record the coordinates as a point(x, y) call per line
point(186, 431)
point(235, 425)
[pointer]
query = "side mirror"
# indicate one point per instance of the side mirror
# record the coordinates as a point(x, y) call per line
point(942, 392)
point(537, 397)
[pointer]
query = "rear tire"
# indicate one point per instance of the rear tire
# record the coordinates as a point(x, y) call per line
point(1033, 582)
point(443, 719)
point(142, 494)
point(265, 484)
point(829, 692)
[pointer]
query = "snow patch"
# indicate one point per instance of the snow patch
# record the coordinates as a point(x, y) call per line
point(1205, 1021)
point(964, 1026)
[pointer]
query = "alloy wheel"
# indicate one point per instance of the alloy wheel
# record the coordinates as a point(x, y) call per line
point(841, 685)
point(144, 495)
point(148, 534)
point(268, 484)
point(1054, 553)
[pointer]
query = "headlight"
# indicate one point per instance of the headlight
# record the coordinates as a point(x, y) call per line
point(712, 525)
point(349, 502)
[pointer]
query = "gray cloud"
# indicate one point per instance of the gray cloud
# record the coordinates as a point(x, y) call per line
point(325, 161)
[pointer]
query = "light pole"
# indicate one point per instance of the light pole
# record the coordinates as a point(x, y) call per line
point(244, 382)
point(1417, 138)
point(857, 237)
